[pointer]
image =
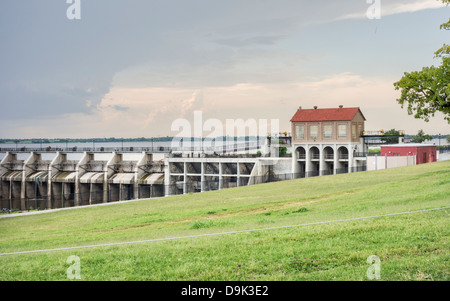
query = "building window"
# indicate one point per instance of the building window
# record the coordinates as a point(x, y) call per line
point(360, 129)
point(313, 132)
point(342, 130)
point(299, 132)
point(353, 131)
point(327, 131)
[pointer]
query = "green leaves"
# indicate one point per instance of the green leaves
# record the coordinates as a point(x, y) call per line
point(447, 24)
point(426, 91)
point(421, 137)
point(391, 140)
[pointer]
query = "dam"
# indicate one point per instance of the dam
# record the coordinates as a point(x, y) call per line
point(49, 180)
point(43, 179)
point(324, 142)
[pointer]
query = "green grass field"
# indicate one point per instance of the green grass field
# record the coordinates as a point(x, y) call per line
point(410, 247)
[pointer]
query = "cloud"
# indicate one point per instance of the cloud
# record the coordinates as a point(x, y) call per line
point(68, 67)
point(410, 7)
point(250, 41)
point(195, 102)
point(394, 8)
point(166, 59)
point(153, 115)
point(151, 111)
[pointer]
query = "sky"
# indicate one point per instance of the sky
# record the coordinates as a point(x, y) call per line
point(132, 68)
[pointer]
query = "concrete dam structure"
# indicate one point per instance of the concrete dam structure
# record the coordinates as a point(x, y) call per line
point(50, 180)
point(324, 142)
point(187, 174)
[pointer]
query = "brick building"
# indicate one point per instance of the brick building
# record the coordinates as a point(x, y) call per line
point(424, 153)
point(324, 140)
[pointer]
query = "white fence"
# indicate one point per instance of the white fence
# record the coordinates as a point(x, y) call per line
point(383, 162)
point(443, 156)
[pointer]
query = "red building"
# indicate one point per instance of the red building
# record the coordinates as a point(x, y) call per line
point(424, 153)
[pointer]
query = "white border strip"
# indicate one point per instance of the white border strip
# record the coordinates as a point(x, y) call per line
point(222, 233)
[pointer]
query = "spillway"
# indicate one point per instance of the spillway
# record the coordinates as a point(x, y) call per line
point(60, 179)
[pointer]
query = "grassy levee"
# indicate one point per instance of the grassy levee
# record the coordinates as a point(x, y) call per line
point(410, 247)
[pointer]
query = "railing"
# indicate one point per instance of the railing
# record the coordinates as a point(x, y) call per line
point(365, 154)
point(444, 149)
point(156, 149)
point(315, 156)
point(401, 133)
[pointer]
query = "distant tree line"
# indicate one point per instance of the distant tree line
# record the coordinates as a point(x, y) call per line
point(418, 138)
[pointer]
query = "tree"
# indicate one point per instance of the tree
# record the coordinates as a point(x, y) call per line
point(391, 140)
point(421, 137)
point(427, 91)
point(282, 151)
point(448, 138)
point(445, 49)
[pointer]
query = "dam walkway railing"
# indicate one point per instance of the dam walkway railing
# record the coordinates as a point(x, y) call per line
point(238, 147)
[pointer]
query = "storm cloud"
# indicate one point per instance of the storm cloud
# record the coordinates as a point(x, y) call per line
point(147, 61)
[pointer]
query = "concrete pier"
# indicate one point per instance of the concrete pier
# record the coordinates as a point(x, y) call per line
point(204, 174)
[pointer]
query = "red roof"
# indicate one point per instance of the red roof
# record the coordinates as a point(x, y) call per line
point(335, 114)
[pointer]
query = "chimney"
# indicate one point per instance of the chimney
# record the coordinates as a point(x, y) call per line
point(315, 107)
point(299, 108)
point(341, 106)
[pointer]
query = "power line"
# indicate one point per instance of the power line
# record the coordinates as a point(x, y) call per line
point(221, 233)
